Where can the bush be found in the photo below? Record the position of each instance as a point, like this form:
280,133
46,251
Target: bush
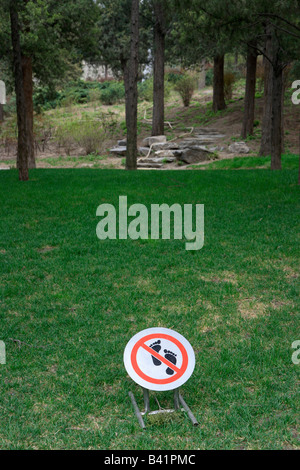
174,76
113,93
86,133
229,79
209,78
45,98
78,92
186,87
145,89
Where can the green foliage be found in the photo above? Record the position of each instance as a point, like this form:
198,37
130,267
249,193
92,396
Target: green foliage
173,76
295,70
145,89
186,87
114,33
78,92
113,93
88,134
209,78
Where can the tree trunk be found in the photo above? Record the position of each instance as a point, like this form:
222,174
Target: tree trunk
131,89
218,84
28,93
272,142
299,162
265,145
158,122
249,107
23,151
276,118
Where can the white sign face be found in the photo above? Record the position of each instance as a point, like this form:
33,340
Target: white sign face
2,92
159,359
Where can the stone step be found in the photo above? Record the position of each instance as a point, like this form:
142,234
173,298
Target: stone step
149,165
158,139
121,151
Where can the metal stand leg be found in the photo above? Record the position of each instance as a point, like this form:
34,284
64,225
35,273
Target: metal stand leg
176,399
146,400
190,414
137,411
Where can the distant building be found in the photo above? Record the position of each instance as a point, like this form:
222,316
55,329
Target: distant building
96,72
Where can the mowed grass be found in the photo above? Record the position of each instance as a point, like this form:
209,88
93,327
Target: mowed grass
290,161
73,302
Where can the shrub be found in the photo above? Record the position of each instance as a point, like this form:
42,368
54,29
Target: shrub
229,79
209,78
86,134
111,94
89,136
174,76
186,87
145,89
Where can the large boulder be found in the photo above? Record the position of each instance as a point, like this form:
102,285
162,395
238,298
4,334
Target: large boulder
122,150
119,151
239,147
144,151
165,146
158,139
165,154
194,154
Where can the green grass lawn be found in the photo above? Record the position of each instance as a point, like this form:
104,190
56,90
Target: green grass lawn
289,161
76,301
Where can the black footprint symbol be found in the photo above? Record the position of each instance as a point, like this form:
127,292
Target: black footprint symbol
156,347
172,358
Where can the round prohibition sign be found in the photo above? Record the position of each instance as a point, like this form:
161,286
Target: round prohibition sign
159,359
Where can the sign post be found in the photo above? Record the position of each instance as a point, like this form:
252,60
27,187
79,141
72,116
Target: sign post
159,359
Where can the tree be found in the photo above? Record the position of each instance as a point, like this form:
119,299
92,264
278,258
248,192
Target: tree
218,84
23,150
249,106
131,90
158,121
52,36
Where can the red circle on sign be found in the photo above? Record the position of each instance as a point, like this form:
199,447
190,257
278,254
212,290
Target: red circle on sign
169,380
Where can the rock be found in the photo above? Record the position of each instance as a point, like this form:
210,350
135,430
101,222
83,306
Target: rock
165,146
143,151
122,150
187,143
205,131
158,160
193,155
211,137
149,165
216,148
119,151
122,143
239,147
165,154
158,139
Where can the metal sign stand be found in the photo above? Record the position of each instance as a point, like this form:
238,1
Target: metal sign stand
178,400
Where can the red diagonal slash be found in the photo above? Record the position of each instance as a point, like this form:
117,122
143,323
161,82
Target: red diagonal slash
160,358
